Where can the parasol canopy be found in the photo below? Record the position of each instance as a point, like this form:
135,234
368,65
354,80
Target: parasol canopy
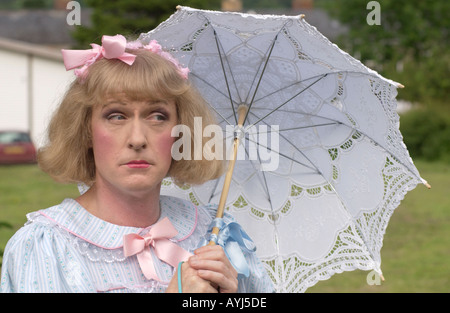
321,164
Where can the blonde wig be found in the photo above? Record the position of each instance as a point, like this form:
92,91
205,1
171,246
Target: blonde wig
68,156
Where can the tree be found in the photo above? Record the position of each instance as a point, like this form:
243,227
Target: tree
411,43
129,17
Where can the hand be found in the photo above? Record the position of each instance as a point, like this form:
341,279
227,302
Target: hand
191,282
207,271
213,265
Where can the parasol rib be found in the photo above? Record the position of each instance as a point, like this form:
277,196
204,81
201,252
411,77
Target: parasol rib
296,95
212,107
314,77
263,70
298,162
261,76
304,127
224,73
276,233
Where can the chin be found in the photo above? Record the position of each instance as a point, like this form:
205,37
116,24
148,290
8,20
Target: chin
142,186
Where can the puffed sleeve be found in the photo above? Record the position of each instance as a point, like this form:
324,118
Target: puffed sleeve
38,258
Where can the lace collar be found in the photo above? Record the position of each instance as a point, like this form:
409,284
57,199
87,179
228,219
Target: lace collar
72,217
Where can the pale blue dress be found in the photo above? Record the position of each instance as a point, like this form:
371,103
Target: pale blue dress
66,249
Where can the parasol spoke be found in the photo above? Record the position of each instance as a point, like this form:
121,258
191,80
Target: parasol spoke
314,168
305,127
293,97
272,210
214,190
218,91
222,57
316,171
314,77
265,62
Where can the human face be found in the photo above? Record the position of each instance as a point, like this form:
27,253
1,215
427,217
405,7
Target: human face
132,143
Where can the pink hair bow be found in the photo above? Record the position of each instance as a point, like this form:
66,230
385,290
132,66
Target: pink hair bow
113,47
158,239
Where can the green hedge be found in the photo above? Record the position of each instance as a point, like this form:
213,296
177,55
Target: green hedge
426,133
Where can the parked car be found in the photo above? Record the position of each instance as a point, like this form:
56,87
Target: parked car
16,147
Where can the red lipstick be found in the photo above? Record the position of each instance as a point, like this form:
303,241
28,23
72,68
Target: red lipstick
138,164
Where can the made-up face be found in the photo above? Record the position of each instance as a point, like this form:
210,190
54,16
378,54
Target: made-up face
132,142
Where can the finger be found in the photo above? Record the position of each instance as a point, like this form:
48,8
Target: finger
218,271
207,249
193,283
212,253
226,284
215,267
222,265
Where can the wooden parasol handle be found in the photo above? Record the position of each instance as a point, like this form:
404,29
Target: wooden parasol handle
242,112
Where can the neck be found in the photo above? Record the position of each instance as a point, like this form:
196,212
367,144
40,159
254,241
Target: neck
140,209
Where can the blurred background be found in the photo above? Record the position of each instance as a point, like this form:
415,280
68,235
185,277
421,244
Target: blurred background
409,44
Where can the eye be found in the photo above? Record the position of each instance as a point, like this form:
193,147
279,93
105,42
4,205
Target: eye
158,116
115,117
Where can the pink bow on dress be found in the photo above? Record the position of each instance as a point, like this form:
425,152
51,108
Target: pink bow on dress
158,239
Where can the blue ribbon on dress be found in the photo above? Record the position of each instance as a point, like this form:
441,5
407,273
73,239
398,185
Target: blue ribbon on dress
234,240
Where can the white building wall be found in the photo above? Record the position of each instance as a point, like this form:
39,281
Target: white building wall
45,79
13,91
50,82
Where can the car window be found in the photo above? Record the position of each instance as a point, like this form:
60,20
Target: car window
11,137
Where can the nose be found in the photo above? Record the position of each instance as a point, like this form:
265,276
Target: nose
137,139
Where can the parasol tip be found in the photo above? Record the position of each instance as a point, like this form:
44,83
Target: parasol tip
382,277
301,16
427,185
400,86
178,7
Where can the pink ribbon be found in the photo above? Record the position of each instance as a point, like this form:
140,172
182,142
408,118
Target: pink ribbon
158,239
113,47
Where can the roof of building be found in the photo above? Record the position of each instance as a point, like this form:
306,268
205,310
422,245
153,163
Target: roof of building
30,49
44,27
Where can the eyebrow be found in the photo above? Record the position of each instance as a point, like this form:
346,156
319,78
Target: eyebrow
150,102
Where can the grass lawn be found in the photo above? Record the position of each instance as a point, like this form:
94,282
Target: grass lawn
24,189
415,255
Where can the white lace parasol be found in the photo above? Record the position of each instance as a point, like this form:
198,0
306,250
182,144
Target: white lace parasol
323,126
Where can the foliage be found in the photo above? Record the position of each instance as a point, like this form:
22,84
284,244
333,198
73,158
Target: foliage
129,17
258,4
410,45
426,133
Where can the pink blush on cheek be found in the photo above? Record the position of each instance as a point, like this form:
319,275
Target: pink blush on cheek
165,143
102,141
